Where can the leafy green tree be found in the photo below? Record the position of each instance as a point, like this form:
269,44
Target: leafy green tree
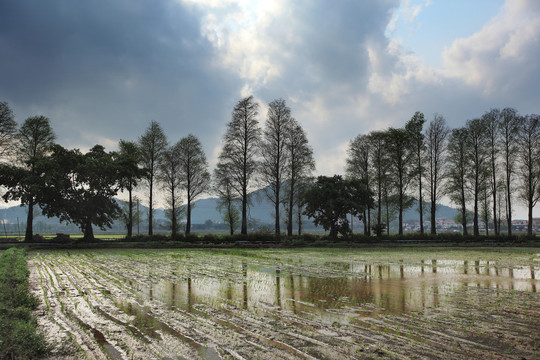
194,175
131,174
34,140
240,150
80,188
300,165
301,187
331,199
529,164
436,141
8,131
414,128
152,144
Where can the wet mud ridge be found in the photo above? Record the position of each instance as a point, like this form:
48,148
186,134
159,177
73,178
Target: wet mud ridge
180,304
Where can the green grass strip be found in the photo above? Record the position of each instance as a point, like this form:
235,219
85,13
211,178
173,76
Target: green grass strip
19,336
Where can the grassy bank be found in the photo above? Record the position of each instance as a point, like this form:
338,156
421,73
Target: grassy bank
19,338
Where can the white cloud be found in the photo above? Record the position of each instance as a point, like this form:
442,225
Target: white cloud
395,79
503,53
238,30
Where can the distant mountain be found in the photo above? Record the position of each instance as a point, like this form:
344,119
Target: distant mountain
443,212
261,211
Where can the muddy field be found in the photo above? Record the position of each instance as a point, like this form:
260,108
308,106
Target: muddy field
290,304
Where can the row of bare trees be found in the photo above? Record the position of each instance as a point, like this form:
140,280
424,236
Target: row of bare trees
180,169
277,158
485,164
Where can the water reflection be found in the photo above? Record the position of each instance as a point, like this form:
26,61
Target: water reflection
364,290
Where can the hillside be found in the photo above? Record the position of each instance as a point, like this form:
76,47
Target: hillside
260,212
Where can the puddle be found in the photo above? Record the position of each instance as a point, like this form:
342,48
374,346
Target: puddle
367,290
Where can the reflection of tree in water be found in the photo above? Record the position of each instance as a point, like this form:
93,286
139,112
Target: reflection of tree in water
278,288
330,292
244,285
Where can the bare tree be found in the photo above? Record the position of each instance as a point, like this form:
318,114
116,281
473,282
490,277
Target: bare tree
8,131
228,197
529,164
298,170
400,157
34,140
152,144
379,172
509,130
168,174
194,175
240,149
274,155
436,141
414,128
492,120
358,166
458,166
477,174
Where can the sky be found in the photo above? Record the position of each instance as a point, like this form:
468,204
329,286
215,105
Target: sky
102,70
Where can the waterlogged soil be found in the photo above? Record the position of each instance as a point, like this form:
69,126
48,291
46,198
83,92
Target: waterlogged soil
290,304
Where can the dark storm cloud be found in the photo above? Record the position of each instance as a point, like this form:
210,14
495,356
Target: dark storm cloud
109,67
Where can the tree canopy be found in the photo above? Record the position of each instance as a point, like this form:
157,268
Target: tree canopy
331,199
80,188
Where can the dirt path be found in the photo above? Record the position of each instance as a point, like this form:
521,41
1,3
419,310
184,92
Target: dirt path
101,305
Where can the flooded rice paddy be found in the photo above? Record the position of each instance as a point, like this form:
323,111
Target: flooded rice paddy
290,304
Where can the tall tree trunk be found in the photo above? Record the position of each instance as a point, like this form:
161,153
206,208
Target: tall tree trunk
88,232
299,221
368,222
150,209
494,194
379,207
291,205
530,218
365,222
463,212
400,216
509,207
475,215
231,217
420,199
174,220
244,211
29,221
188,220
433,216
130,215
276,209
387,217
